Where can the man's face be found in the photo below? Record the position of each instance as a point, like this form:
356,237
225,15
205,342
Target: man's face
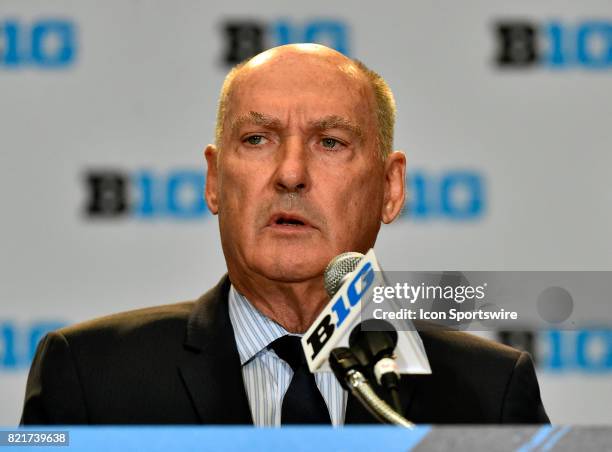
298,178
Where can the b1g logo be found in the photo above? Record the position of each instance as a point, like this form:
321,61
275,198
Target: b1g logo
247,38
178,194
18,343
43,44
457,195
340,310
524,44
583,350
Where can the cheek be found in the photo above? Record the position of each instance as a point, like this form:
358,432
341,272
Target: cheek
354,208
233,202
242,194
235,185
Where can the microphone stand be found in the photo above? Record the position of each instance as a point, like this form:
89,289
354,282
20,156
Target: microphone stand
346,368
361,389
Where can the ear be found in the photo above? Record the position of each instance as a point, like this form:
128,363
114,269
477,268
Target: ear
212,179
395,186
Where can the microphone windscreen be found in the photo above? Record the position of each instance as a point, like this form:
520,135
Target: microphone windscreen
339,267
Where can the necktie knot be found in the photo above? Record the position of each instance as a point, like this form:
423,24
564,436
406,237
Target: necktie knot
289,349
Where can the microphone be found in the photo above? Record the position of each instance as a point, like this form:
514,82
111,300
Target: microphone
375,346
338,270
350,280
374,341
347,279
350,275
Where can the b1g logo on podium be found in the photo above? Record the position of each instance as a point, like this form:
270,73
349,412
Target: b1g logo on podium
523,44
42,44
246,38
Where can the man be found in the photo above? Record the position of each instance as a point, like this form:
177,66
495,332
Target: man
302,170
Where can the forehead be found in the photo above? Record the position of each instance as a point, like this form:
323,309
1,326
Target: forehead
303,88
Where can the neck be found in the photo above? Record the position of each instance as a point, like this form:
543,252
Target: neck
293,305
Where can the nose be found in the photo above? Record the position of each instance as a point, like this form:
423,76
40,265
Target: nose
292,174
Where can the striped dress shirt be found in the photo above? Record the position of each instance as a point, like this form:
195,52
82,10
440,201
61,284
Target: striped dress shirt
266,376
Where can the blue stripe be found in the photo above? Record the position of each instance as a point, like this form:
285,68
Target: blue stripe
229,439
536,439
555,438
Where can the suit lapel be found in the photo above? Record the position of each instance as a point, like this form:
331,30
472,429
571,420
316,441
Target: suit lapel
209,364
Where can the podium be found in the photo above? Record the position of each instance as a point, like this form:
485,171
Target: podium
308,438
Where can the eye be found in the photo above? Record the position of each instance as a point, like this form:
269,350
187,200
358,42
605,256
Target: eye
330,143
255,140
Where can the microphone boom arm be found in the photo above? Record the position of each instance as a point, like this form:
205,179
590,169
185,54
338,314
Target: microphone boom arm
347,370
361,389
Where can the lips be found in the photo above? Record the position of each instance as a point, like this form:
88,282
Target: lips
288,220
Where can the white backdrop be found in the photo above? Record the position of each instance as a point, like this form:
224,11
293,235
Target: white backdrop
509,164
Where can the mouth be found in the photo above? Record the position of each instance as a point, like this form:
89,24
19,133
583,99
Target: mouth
289,222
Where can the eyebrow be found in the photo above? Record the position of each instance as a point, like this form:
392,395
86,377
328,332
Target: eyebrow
325,123
256,118
336,122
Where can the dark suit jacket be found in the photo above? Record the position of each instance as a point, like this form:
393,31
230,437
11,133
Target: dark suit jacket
178,364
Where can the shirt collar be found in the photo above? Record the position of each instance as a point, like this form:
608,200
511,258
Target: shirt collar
253,331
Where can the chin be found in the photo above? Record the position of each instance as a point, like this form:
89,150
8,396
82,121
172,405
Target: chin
290,266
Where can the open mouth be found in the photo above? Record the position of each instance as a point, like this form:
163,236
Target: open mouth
285,220
289,222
